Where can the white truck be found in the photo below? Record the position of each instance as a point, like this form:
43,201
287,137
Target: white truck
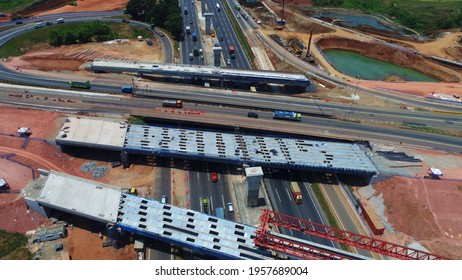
188,29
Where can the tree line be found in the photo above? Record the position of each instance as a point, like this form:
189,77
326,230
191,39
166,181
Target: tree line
161,13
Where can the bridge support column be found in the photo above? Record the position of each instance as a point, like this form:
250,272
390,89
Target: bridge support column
254,175
124,159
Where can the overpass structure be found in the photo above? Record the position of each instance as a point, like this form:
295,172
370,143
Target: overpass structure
146,217
224,147
172,72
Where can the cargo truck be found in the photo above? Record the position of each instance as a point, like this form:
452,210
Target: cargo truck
194,36
127,89
231,51
205,206
287,115
196,50
85,85
173,103
296,193
220,212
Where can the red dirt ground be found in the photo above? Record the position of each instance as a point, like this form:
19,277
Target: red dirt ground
15,216
427,211
37,155
86,245
88,6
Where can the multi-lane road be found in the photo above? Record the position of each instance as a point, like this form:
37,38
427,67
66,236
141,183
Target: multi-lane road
200,184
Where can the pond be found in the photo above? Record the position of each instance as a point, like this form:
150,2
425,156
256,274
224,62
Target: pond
354,20
363,67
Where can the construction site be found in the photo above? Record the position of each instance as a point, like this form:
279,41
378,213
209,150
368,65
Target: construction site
415,209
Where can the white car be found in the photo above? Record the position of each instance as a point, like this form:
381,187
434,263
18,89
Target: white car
228,61
237,16
163,199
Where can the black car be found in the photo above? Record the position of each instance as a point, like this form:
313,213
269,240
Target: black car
252,115
190,21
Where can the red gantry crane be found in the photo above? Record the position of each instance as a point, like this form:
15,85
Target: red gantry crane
267,240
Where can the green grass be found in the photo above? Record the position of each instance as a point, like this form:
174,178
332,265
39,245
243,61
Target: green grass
21,253
15,5
37,37
432,130
240,35
327,211
9,242
136,120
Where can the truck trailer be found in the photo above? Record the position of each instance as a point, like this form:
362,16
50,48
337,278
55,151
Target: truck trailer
84,85
287,115
173,103
296,193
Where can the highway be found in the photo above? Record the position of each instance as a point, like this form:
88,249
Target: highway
283,202
234,116
187,44
224,29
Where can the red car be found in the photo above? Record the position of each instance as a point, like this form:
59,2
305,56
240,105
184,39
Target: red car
214,177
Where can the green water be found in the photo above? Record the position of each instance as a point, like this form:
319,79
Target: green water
363,67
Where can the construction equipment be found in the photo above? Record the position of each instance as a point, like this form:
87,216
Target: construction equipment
133,191
264,238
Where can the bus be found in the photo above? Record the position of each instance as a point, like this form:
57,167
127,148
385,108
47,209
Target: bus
231,51
85,85
173,103
287,115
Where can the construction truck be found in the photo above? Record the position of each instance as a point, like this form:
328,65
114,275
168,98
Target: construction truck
296,193
133,191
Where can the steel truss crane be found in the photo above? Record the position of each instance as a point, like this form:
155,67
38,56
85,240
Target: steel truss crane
263,238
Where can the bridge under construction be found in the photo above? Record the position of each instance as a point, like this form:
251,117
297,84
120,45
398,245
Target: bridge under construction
224,239
224,77
231,148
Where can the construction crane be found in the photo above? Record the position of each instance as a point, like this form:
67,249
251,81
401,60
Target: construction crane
265,239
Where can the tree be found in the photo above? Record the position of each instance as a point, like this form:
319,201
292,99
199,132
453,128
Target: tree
174,24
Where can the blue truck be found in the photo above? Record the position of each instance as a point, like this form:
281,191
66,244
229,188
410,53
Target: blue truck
194,36
287,115
220,212
127,89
